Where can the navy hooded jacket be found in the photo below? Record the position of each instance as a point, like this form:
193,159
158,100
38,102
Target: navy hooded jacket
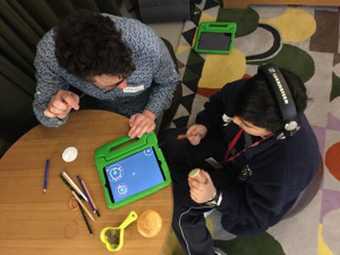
269,177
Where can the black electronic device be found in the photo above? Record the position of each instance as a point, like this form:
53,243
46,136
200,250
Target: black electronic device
283,97
215,37
214,41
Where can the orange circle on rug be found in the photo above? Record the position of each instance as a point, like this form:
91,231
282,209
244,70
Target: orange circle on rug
332,160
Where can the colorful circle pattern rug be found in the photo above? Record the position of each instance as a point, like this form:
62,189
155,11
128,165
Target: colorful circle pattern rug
306,41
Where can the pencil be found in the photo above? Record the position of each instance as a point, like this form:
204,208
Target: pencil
66,183
88,195
85,219
47,167
83,206
69,180
182,136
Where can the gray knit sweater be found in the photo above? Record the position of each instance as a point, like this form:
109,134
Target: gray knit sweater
155,72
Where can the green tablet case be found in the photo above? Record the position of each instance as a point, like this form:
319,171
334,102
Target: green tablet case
124,147
216,29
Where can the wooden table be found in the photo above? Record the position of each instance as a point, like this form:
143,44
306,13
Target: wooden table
33,223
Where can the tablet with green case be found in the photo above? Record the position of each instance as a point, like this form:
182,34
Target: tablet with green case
130,169
215,37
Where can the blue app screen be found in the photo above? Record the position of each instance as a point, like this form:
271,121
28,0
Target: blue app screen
133,174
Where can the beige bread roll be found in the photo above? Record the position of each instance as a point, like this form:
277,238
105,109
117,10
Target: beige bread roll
197,174
149,223
194,172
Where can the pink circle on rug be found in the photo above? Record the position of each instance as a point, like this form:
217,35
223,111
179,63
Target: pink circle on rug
333,161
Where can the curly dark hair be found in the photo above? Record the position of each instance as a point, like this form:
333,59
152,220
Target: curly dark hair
88,44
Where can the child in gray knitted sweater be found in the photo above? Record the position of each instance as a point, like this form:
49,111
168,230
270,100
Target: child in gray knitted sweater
120,62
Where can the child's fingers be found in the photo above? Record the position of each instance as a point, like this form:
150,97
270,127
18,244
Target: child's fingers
72,100
206,176
60,105
192,130
132,119
194,184
181,136
49,114
194,139
194,196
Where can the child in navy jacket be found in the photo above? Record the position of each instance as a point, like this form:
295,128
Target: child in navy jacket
250,172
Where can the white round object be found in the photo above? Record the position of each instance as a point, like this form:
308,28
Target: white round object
70,154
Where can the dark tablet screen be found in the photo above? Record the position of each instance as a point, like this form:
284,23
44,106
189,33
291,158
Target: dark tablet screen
214,41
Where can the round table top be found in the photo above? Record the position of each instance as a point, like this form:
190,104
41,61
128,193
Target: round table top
33,222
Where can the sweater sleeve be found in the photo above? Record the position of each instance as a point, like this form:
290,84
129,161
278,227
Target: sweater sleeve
166,78
222,102
48,81
211,116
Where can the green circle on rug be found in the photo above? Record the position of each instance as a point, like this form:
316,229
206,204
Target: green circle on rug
246,19
335,92
295,60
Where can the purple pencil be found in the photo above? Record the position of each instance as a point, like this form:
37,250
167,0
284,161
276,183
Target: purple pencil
45,183
88,195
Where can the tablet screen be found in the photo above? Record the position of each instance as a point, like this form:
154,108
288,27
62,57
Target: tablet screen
133,174
214,41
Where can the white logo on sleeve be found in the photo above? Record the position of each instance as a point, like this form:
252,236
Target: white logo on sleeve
226,119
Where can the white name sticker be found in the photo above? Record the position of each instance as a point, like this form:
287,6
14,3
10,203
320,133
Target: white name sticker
133,89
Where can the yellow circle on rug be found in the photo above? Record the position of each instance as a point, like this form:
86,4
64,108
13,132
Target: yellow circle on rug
295,25
323,248
206,16
183,47
221,69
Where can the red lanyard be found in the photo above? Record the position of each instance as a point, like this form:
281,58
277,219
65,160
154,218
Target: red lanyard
233,143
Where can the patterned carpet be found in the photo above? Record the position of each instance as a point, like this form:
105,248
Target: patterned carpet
306,41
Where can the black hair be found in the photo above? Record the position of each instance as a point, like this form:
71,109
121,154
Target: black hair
88,44
256,102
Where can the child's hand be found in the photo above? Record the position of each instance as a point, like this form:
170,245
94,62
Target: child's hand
196,133
61,104
202,189
141,123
